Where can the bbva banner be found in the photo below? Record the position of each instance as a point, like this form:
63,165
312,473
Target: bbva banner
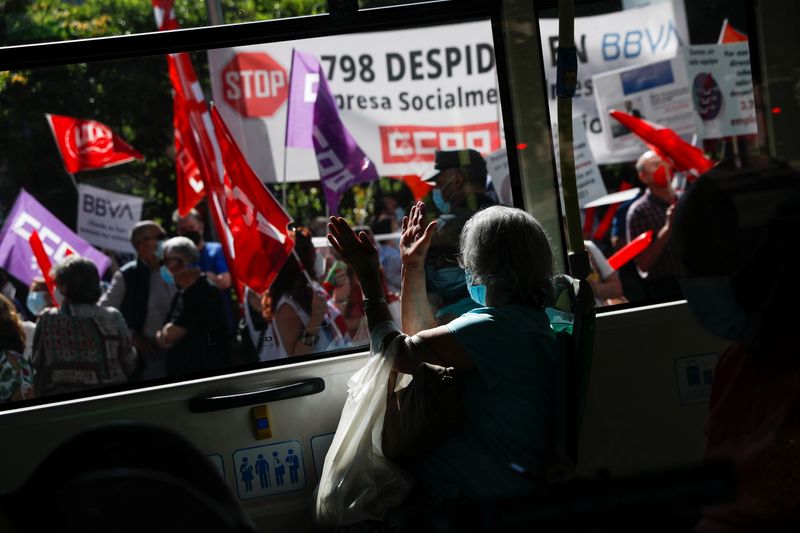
607,43
106,218
402,94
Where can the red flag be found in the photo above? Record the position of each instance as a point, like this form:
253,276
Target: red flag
88,144
44,263
188,177
195,132
418,187
631,250
188,165
261,237
729,34
681,155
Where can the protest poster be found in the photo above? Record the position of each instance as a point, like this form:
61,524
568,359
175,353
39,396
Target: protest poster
16,255
401,94
606,43
722,89
106,218
657,92
587,174
497,168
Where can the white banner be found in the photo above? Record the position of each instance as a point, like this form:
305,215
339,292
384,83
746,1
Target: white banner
587,174
401,94
497,167
606,43
722,89
106,218
657,92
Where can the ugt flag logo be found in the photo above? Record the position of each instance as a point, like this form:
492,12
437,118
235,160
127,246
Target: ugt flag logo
88,144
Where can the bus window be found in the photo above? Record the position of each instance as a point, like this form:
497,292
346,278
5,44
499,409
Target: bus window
207,227
681,77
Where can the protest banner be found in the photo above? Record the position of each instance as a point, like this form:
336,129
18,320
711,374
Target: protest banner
401,94
106,218
609,42
587,174
722,89
657,92
28,215
497,167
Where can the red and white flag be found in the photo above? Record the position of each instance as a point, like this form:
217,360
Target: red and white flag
196,136
259,225
88,144
188,177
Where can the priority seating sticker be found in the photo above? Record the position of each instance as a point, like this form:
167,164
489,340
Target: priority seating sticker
267,470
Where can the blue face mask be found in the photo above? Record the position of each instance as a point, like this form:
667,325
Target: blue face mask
166,275
37,301
441,204
476,292
447,282
713,303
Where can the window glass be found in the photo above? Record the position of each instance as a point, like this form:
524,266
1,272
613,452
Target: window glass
346,124
47,20
681,66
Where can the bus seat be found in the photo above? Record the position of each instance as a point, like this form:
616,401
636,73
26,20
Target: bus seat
126,477
572,318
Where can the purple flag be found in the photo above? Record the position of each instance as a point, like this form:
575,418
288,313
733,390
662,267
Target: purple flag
313,121
16,255
303,83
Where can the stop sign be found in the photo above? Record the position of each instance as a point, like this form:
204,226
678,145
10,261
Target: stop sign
254,84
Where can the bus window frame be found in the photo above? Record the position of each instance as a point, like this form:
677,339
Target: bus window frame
336,22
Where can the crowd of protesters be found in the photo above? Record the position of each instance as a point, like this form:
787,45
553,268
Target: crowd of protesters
173,309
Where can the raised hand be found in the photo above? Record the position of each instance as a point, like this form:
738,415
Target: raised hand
356,250
416,238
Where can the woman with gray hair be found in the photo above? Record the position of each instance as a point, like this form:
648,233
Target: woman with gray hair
502,352
79,345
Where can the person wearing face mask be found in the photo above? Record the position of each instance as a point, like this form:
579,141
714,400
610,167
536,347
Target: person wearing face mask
194,336
80,345
459,179
502,351
142,291
736,234
658,265
38,299
211,259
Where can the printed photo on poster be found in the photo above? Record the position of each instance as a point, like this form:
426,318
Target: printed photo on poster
657,92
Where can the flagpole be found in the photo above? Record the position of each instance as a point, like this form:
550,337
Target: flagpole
286,134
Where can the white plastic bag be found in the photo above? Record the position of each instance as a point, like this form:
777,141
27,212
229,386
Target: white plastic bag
358,483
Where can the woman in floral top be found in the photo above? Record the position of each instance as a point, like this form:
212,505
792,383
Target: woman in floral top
79,345
16,375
